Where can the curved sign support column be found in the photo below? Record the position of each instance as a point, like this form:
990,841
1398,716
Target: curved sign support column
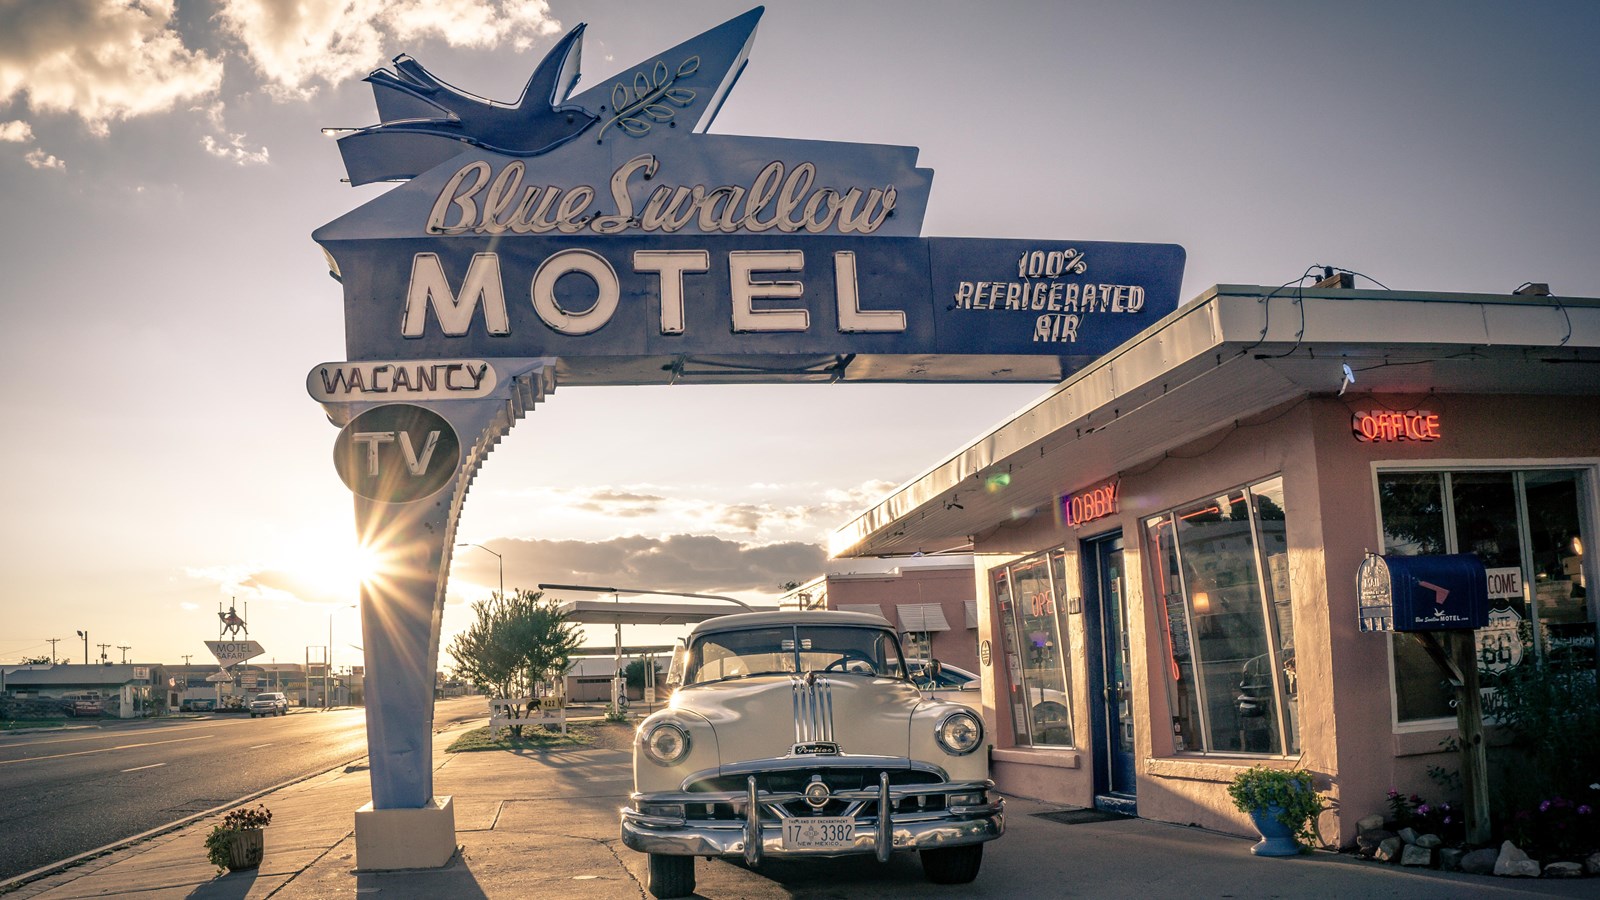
409,466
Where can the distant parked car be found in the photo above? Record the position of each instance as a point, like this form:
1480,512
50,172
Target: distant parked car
85,704
269,703
946,682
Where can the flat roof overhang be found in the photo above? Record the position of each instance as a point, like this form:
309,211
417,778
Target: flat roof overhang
1235,352
630,612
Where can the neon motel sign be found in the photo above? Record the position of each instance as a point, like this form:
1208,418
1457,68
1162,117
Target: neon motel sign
605,238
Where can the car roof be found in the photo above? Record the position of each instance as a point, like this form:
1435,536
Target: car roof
738,621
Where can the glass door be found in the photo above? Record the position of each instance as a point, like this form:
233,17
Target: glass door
1116,783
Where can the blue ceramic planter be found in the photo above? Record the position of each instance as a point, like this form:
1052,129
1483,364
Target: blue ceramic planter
1277,839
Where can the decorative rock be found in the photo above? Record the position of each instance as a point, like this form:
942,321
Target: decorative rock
1370,823
1414,855
1563,870
1409,835
1367,841
1429,841
1388,850
1480,862
1513,863
1450,859
1592,864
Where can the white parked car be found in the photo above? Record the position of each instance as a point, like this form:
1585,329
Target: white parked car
796,734
269,703
947,682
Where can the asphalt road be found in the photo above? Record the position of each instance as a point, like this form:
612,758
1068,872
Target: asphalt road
70,791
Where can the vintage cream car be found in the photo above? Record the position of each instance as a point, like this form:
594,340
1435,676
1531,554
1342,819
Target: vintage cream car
796,734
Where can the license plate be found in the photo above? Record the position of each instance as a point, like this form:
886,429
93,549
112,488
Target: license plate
818,832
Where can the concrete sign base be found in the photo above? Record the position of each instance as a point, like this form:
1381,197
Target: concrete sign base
389,839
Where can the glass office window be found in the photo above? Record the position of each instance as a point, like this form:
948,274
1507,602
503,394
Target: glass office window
1036,651
1221,569
1526,527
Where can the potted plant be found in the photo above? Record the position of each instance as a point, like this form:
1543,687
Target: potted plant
1283,803
238,842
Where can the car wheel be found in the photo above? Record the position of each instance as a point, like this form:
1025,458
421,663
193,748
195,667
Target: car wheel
952,865
671,876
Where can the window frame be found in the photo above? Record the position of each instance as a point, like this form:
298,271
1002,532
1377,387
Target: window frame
1011,622
1269,618
1588,521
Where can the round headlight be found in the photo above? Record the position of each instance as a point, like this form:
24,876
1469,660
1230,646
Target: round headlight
666,744
959,733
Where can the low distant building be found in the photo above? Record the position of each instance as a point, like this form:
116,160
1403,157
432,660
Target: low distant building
931,601
124,691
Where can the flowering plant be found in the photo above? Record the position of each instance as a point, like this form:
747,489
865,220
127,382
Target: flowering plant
235,822
1444,819
1557,828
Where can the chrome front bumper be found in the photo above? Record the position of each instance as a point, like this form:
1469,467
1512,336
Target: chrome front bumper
759,832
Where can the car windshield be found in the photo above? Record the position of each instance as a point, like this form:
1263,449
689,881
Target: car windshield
787,649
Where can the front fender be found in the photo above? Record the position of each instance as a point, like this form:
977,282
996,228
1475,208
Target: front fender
972,766
650,776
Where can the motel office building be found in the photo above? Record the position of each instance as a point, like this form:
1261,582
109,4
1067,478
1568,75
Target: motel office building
1167,542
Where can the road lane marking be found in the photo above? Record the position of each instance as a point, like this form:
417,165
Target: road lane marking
259,746
142,768
198,737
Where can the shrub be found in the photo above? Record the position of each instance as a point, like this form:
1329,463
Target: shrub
1292,791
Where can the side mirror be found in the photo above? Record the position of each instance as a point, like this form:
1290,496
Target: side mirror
680,659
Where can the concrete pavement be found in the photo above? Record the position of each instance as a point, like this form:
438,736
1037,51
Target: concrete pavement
544,825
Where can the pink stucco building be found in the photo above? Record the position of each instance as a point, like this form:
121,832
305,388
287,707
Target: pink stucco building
1166,544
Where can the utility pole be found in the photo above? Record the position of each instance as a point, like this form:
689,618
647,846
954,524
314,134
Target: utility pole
124,648
187,657
102,651
85,636
53,643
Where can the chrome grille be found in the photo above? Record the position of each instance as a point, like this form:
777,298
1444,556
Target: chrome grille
813,708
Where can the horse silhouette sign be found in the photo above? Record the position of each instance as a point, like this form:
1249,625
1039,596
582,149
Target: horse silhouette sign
606,237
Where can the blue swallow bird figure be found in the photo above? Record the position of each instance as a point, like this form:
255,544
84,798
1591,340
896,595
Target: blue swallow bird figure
425,121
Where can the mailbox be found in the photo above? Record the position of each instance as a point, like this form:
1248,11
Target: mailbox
1422,593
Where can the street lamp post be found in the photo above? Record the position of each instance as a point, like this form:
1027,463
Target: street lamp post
498,558
85,636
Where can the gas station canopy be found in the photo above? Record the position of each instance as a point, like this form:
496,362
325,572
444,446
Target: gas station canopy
629,612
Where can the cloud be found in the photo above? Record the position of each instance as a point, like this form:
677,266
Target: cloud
101,60
16,132
698,564
234,150
42,160
295,45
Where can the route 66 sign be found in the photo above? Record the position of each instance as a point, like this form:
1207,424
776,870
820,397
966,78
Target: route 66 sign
1499,642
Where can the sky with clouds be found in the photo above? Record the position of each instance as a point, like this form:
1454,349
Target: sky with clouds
162,168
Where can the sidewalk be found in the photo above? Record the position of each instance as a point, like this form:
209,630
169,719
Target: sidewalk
544,825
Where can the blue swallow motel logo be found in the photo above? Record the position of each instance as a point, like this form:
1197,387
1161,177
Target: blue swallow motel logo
610,229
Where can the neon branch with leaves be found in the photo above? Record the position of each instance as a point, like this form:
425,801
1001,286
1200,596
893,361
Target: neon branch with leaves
635,113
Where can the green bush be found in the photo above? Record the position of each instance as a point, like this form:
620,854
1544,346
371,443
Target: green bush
1292,791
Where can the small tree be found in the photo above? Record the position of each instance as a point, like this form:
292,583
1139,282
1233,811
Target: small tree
514,643
634,674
